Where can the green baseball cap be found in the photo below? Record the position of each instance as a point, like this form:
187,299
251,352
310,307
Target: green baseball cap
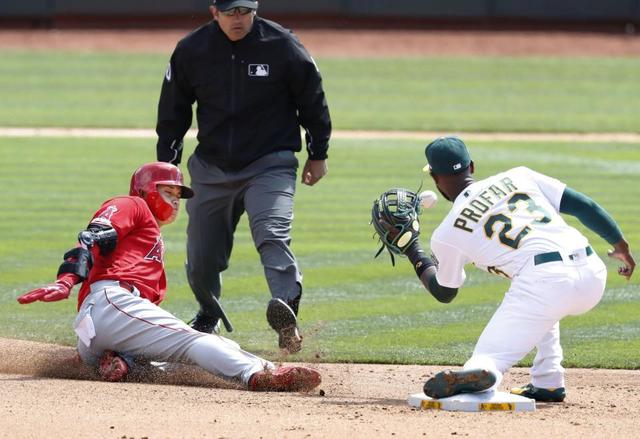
447,156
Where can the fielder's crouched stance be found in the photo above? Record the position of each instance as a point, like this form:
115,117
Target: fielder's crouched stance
120,264
509,225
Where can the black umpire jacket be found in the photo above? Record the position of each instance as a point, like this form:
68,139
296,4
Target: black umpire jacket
252,97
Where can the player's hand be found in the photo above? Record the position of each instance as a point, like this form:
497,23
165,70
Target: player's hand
58,290
621,252
313,171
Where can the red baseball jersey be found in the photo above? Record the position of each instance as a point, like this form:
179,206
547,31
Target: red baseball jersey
138,256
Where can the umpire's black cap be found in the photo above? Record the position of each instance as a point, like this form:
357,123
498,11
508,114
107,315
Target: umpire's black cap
224,5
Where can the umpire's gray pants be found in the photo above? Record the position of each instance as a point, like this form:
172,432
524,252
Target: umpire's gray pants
265,190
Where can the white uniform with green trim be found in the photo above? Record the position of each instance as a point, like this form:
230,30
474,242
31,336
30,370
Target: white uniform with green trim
509,225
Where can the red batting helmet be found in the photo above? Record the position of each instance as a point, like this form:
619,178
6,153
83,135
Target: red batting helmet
146,180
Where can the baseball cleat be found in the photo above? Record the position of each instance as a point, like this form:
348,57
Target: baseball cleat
283,320
112,367
203,323
290,339
449,383
540,394
285,379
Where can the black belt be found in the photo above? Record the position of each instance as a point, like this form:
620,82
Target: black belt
543,258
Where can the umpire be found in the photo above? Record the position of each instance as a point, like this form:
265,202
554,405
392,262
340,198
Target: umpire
255,85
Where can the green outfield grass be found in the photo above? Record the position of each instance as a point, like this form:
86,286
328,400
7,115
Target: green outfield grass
355,308
430,93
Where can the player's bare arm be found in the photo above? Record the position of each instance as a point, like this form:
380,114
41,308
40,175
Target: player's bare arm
598,220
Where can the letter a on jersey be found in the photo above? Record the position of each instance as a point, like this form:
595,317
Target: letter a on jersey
157,251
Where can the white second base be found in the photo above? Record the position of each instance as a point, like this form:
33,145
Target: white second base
474,402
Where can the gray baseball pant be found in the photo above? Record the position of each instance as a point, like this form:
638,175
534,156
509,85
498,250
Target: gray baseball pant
265,190
114,318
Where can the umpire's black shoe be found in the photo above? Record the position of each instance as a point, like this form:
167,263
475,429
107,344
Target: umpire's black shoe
283,320
205,323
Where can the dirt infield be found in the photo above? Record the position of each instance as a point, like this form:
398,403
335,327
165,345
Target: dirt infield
47,393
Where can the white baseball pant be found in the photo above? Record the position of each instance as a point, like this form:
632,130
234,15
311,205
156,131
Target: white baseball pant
539,297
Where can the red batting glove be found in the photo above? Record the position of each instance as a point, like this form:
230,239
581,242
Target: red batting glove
58,290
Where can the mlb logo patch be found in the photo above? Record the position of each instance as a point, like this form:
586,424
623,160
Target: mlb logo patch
258,69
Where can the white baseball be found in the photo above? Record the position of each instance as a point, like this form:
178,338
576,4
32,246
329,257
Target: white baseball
428,199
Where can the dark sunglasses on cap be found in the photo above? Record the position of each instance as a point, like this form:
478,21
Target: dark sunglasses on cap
240,10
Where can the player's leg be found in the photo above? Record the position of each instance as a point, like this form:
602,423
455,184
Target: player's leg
110,365
538,298
514,329
87,355
269,204
213,215
592,279
547,371
536,301
137,328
